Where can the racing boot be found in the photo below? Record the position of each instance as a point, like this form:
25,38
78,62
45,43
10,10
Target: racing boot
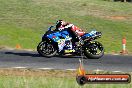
81,42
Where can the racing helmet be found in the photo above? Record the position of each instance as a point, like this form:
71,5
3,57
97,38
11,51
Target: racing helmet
59,23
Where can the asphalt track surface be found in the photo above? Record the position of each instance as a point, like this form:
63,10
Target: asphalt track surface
31,59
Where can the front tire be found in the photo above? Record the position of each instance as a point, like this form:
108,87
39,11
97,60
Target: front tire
94,50
46,49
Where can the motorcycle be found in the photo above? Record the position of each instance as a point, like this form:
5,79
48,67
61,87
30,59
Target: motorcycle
63,42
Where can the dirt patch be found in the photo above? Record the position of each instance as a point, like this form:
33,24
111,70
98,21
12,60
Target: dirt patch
117,17
37,73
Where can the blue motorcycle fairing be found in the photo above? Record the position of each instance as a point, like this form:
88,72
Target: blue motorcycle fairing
85,36
60,37
92,33
54,36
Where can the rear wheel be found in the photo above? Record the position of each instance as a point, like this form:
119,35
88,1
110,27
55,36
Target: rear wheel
46,49
94,50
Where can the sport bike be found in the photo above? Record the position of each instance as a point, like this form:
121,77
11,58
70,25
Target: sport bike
65,43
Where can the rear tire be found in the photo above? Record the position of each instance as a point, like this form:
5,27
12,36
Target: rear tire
46,49
91,50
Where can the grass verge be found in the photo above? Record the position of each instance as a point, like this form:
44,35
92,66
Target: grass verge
27,78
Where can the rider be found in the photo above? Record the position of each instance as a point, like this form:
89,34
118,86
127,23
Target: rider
61,25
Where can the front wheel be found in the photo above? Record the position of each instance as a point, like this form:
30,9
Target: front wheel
94,50
46,49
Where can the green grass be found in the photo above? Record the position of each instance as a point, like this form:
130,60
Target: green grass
23,22
50,82
28,78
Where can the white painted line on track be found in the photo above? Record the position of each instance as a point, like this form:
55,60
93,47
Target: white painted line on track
116,71
71,69
19,67
45,68
98,70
